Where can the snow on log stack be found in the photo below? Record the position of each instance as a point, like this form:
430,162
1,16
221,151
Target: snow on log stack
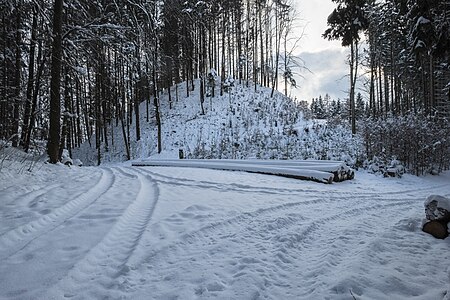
314,170
437,212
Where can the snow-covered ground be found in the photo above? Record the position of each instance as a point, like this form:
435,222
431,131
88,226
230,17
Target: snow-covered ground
118,231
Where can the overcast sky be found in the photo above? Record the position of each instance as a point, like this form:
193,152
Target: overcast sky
325,59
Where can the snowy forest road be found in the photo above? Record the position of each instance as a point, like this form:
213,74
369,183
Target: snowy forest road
166,233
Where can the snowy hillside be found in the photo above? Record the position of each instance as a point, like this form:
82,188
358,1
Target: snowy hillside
240,124
122,232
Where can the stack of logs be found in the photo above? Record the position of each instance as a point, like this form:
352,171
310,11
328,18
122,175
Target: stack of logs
324,171
437,213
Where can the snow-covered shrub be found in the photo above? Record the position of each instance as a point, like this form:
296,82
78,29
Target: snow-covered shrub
394,169
23,161
387,167
65,158
421,144
77,162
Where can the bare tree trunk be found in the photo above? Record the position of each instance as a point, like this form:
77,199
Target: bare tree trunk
255,53
222,79
17,79
285,64
79,137
277,52
122,112
261,45
64,128
386,91
353,76
156,101
55,105
380,92
35,98
124,132
98,121
372,88
432,100
247,45
30,84
137,95
87,98
202,68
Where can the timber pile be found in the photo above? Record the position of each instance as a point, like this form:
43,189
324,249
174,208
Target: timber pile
437,213
313,170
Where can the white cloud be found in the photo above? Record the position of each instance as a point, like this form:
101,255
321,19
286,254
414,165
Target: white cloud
328,75
313,17
326,59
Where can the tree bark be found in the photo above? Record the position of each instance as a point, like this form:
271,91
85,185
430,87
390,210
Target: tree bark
156,101
55,105
17,79
35,98
353,76
30,83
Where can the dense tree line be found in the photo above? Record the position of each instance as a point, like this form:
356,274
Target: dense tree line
413,141
419,143
408,78
407,57
76,70
409,82
337,111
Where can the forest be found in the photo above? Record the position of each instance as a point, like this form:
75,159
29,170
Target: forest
69,69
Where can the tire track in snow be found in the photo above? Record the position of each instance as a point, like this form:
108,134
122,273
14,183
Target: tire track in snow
238,187
276,217
270,233
122,172
31,197
244,218
316,225
96,274
314,232
400,192
18,238
360,198
331,244
235,222
28,196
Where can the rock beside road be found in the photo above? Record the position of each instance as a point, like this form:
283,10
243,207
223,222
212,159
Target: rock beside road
437,213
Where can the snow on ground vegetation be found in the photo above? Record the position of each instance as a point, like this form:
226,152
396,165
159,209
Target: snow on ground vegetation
124,232
240,124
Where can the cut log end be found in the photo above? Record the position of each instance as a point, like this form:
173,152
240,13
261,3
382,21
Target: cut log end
436,229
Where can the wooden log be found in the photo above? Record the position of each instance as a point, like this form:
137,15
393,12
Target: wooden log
339,169
303,174
436,228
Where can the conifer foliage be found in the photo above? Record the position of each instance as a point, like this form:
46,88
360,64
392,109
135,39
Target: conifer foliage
407,57
407,79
